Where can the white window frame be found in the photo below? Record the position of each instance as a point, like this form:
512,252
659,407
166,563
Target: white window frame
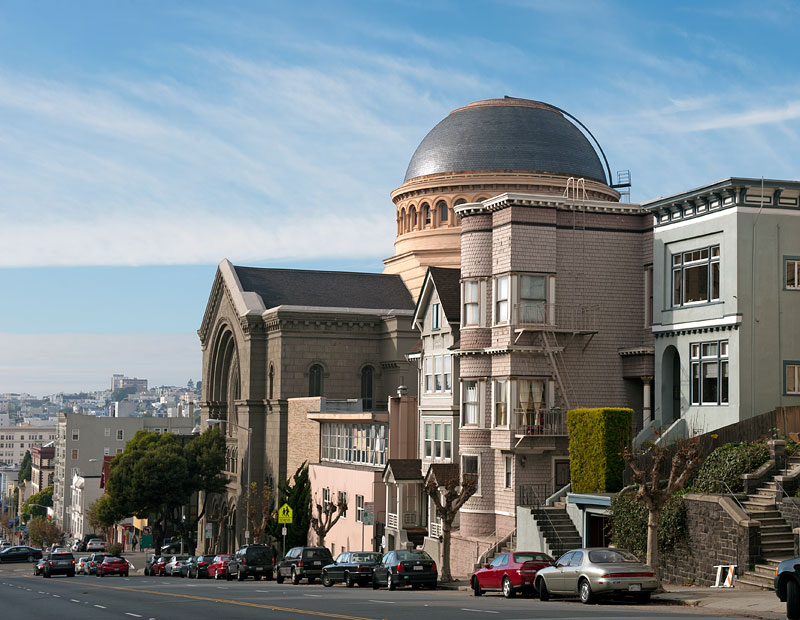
76,434
708,355
436,316
477,458
502,300
428,374
538,305
508,479
326,497
359,508
693,259
342,495
500,397
473,419
792,266
471,304
792,370
428,440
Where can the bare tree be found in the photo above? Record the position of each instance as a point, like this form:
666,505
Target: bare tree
646,467
260,508
448,497
327,514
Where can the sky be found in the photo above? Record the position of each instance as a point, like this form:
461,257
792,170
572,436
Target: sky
141,142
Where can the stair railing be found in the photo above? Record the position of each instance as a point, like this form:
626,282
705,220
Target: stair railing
721,484
496,546
538,496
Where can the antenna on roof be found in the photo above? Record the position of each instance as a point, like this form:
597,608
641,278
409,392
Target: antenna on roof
623,183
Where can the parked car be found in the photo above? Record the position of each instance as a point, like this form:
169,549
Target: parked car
20,553
157,569
402,568
592,572
95,560
96,544
5,544
303,562
172,546
112,565
174,566
59,564
510,573
787,586
81,566
251,561
199,568
351,567
218,568
38,567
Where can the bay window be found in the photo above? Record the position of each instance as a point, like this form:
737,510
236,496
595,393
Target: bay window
501,403
472,302
709,372
532,298
501,300
695,276
469,403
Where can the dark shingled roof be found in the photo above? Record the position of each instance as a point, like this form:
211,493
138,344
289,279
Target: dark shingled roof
448,285
506,134
442,472
405,469
326,289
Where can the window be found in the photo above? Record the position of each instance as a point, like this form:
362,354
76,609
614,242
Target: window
429,374
326,497
75,454
501,403
436,313
501,300
532,298
448,383
469,403
438,440
120,435
360,508
271,381
75,435
709,370
447,441
695,276
428,440
354,443
793,273
367,386
792,377
438,373
471,467
106,452
509,465
442,207
472,302
427,212
107,432
343,502
315,380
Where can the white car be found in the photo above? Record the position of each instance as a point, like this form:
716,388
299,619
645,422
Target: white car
96,544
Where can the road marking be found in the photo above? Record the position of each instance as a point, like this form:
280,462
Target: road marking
324,614
127,613
74,600
387,602
56,596
100,606
480,611
314,595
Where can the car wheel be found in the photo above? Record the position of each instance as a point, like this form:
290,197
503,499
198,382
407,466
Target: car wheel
326,580
643,597
257,577
295,577
433,585
508,589
46,575
31,558
72,574
101,574
279,578
476,587
239,576
585,591
792,600
375,584
348,580
390,582
541,587
269,576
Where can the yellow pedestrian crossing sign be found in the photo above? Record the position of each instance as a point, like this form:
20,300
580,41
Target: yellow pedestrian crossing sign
285,514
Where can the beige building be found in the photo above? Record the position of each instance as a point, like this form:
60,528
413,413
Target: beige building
15,441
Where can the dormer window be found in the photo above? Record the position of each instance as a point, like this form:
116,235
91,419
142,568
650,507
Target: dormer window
436,314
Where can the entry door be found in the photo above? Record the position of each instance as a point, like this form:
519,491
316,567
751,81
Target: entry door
562,473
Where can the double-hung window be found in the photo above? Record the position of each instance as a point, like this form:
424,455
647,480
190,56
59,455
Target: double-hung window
470,466
438,373
695,276
501,403
532,298
792,377
438,440
360,508
472,291
429,374
469,403
428,440
501,300
436,316
709,367
793,273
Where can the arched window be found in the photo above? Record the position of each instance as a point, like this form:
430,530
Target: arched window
367,387
271,381
315,380
413,219
402,222
426,211
456,217
441,207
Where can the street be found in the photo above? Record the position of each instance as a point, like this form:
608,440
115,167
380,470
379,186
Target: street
159,598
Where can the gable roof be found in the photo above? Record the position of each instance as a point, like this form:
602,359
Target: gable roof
442,472
404,469
325,289
447,283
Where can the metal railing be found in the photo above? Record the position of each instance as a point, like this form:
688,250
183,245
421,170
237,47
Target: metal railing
540,422
435,529
392,521
570,317
535,496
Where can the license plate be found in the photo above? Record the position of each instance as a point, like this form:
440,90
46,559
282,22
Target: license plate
419,568
636,587
318,563
260,569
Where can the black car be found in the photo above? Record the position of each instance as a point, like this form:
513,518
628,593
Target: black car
38,568
251,561
59,564
787,586
303,562
402,568
20,554
352,567
198,569
172,546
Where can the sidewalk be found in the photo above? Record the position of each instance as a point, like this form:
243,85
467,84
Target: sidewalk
741,601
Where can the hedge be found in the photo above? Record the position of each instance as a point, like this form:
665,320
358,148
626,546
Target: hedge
596,440
728,463
628,524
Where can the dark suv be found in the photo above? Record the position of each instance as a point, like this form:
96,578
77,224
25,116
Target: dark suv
251,561
303,562
59,564
787,586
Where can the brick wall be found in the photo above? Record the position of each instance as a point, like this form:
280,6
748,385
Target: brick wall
302,444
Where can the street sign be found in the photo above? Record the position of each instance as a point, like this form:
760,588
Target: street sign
368,518
209,530
247,534
285,514
146,542
283,531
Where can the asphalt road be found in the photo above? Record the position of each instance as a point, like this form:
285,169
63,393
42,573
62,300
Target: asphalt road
23,596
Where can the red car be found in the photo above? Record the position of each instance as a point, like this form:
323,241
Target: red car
218,569
158,567
113,566
510,573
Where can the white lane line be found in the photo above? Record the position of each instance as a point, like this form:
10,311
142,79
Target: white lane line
480,611
56,596
313,595
127,613
387,602
100,606
74,600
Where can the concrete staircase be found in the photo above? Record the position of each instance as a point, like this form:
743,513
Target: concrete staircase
558,530
777,541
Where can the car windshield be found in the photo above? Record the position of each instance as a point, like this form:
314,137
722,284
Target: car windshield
412,555
366,557
222,558
112,559
316,553
611,556
532,557
261,555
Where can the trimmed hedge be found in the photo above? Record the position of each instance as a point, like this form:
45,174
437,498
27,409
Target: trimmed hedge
596,440
728,463
628,524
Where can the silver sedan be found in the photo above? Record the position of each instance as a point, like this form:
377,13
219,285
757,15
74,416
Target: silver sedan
600,571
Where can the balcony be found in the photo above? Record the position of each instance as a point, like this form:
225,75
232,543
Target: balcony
542,423
351,409
566,318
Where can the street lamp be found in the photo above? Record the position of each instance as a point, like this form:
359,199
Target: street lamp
217,422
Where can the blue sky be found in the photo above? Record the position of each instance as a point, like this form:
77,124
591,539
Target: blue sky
142,142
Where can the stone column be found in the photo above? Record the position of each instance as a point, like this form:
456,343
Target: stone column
647,413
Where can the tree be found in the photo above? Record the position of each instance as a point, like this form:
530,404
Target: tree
297,494
260,506
122,393
646,467
44,532
190,385
25,467
448,497
33,506
328,514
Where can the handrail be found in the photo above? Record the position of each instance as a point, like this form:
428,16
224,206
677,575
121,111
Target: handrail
733,495
538,495
494,548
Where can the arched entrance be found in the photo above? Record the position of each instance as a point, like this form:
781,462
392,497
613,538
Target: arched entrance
670,385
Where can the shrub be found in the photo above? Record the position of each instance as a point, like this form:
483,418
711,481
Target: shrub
727,463
114,549
628,524
596,440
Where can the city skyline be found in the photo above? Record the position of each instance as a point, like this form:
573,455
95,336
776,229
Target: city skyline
144,143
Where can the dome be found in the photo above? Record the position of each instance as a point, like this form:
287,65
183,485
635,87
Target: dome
507,134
